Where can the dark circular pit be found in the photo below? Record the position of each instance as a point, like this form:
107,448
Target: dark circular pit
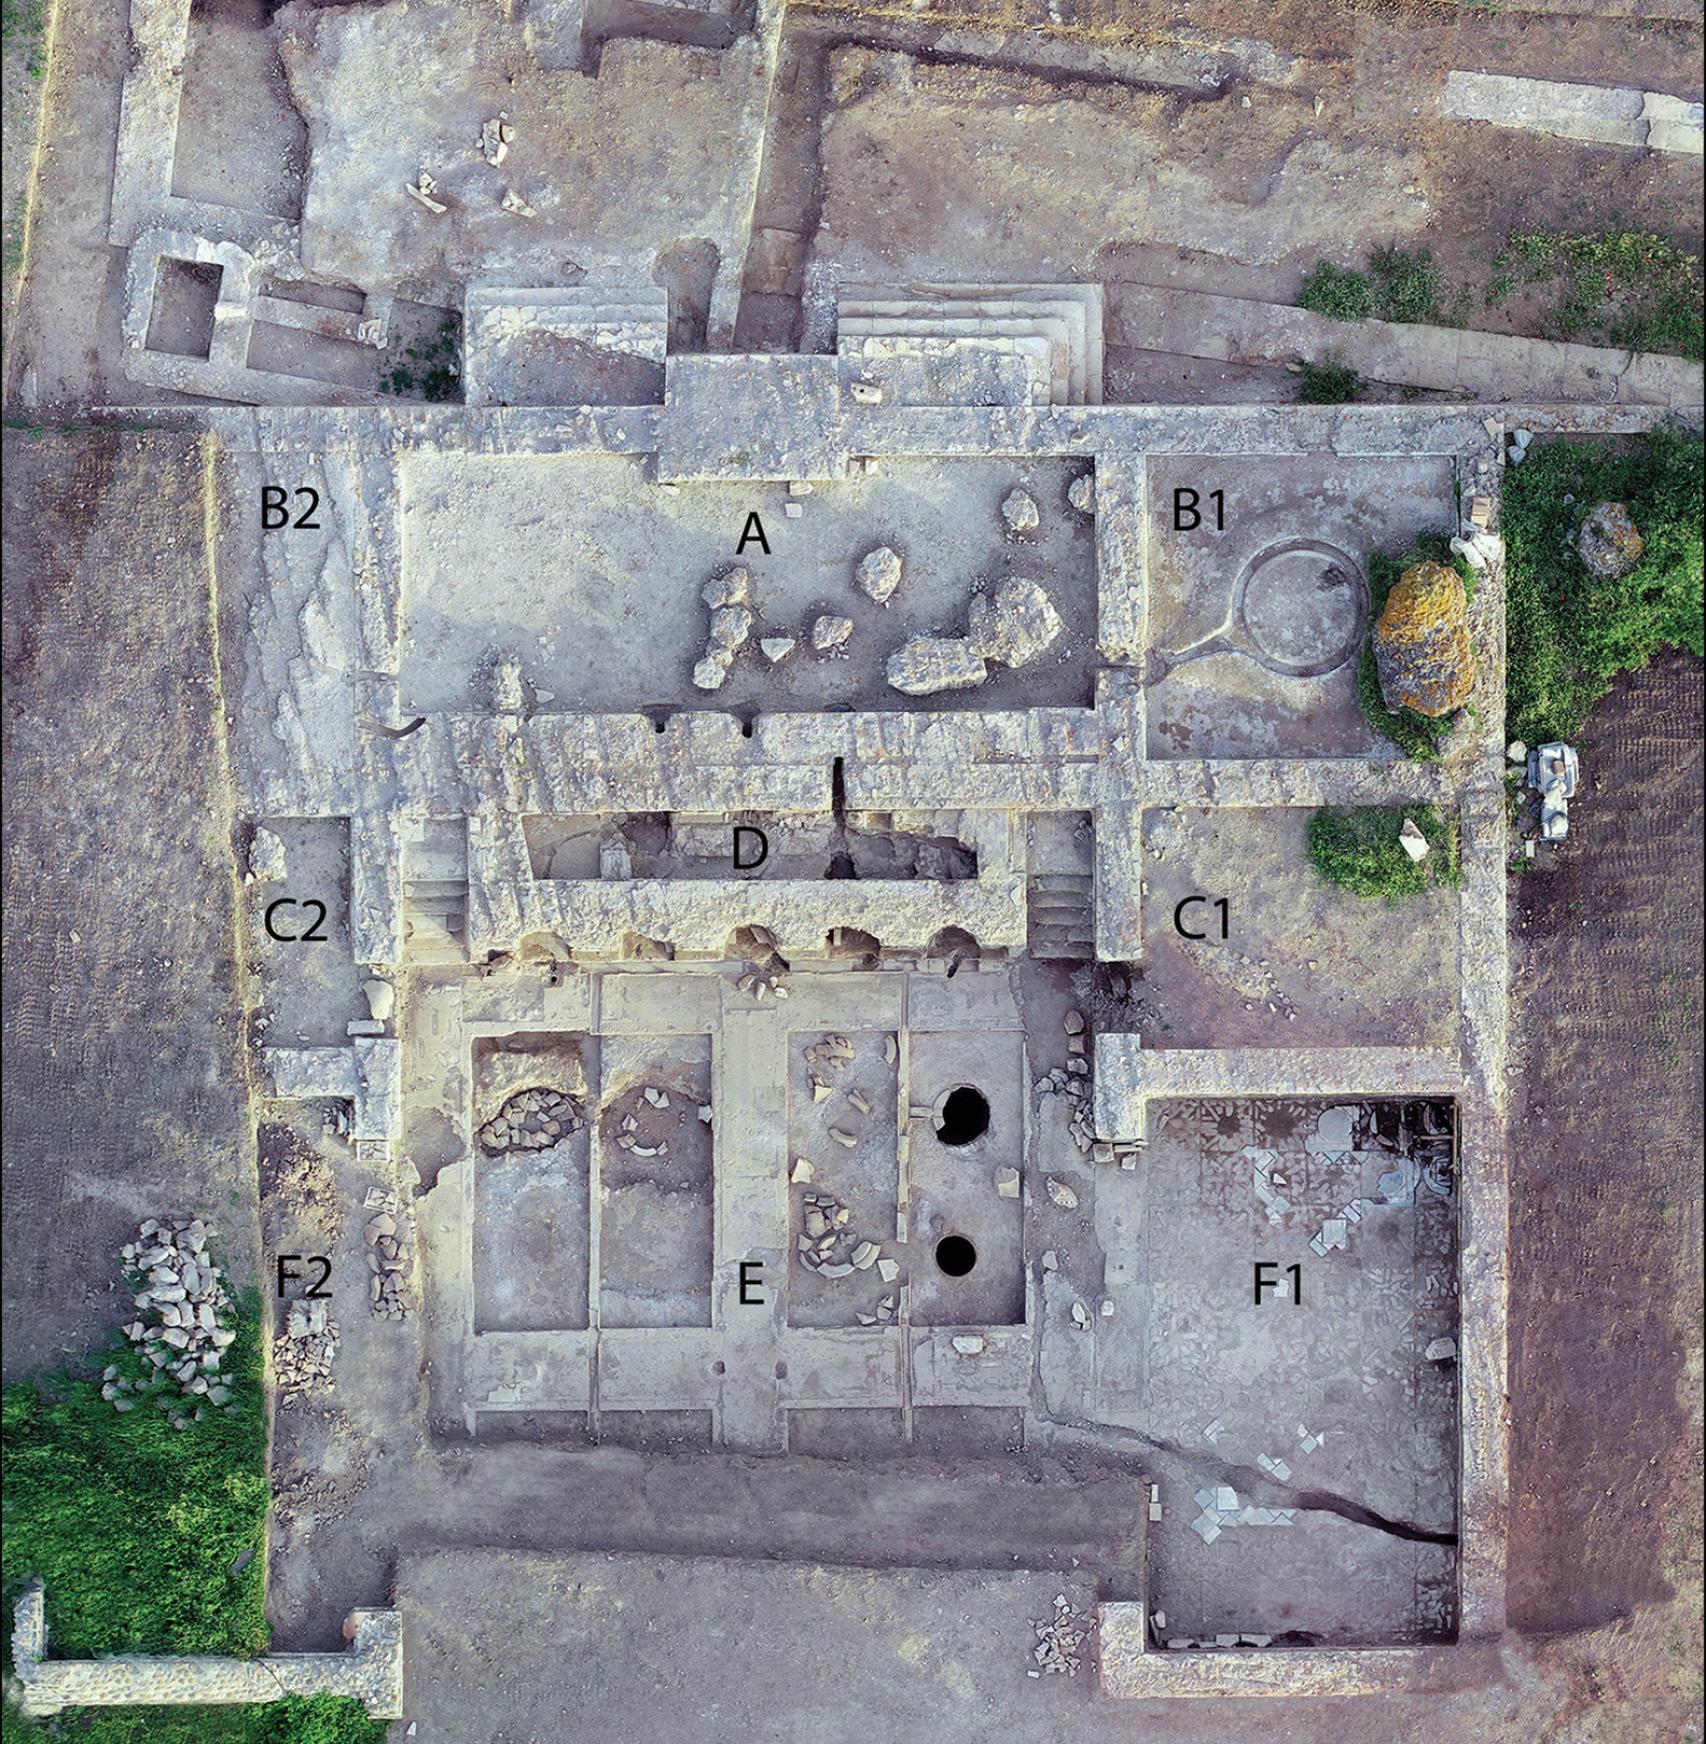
955,1255
964,1116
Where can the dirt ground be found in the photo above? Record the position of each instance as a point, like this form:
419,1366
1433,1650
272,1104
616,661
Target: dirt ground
125,1093
1606,1208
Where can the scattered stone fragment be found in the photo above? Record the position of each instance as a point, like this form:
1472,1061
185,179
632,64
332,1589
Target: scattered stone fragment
513,203
422,190
1019,511
1440,1350
1412,841
864,1256
1080,1316
969,1344
1007,1183
495,136
776,648
888,1270
1061,1194
878,574
1074,1022
843,1137
381,999
709,673
830,633
1081,493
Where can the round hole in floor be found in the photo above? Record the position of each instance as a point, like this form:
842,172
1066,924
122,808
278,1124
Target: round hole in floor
963,1116
955,1255
781,1371
719,1368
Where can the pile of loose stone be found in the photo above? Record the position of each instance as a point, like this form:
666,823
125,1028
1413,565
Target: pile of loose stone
531,1120
628,1131
828,1247
763,983
180,1330
387,1262
304,1350
1073,1082
1060,1640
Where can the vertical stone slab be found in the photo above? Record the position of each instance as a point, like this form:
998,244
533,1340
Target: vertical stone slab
1122,563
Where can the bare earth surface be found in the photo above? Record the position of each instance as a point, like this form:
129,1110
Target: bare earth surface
124,1080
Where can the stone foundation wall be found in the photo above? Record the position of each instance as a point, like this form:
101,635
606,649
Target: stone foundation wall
371,1670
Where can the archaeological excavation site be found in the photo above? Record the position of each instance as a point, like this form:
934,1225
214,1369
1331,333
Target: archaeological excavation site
766,829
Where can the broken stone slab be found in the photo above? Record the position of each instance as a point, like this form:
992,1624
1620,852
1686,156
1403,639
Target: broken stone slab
1007,1183
843,1137
802,1171
831,632
928,664
1019,510
878,574
888,1270
1074,1023
864,1256
776,648
1412,841
1014,624
730,627
1081,493
422,190
381,999
1440,1350
732,588
969,1344
1061,1194
709,673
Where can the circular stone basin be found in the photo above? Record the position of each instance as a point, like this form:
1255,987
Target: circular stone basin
1302,607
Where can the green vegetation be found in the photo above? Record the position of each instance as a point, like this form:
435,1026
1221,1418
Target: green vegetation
151,1540
429,370
1359,851
1626,287
1567,635
1327,384
293,1720
23,28
1399,285
1418,736
1616,287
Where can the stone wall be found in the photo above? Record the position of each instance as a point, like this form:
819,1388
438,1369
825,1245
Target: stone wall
371,1670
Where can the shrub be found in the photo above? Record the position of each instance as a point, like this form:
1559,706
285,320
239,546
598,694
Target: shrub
1359,851
1328,384
1339,291
1567,633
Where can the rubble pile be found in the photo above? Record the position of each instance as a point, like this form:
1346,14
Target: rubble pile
1060,1640
531,1120
629,1136
304,1350
383,1236
181,1307
728,598
763,983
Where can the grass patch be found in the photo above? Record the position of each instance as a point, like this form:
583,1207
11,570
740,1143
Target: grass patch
1399,285
137,1529
292,1720
1327,384
428,367
135,1526
1619,287
23,29
1568,635
1358,850
1418,736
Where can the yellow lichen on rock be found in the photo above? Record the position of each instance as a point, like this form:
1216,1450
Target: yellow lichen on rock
1421,643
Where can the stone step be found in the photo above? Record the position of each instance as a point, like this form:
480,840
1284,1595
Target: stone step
1066,367
1081,305
1063,324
